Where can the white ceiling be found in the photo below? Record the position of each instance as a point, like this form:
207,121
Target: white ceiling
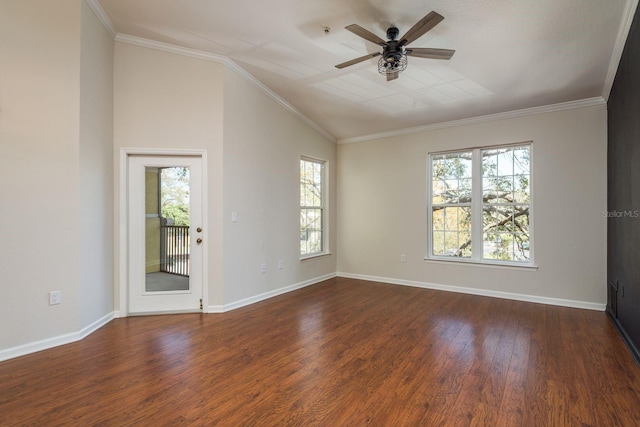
510,54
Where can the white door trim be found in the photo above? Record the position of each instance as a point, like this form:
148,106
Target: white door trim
122,215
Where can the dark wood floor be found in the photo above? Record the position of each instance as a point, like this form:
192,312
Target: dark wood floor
342,352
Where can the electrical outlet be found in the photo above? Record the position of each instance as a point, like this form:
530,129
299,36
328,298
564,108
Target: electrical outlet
55,297
403,258
280,264
263,267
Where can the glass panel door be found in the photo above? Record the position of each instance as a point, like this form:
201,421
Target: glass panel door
165,234
167,216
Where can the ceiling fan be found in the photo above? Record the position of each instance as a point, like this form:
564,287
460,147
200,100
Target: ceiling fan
395,51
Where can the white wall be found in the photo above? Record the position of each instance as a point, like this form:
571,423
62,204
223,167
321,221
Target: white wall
263,143
95,223
382,206
39,123
164,100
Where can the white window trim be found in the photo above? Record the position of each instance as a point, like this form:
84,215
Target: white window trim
476,211
325,208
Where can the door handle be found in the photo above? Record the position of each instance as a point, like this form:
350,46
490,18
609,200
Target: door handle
199,229
198,241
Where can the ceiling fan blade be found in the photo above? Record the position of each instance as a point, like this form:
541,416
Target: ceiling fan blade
365,34
422,26
392,76
355,61
425,52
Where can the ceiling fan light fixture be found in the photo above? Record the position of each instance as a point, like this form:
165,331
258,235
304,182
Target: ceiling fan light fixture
393,58
392,65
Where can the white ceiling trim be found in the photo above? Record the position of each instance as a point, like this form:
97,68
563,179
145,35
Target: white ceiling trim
207,56
618,48
589,102
102,16
166,47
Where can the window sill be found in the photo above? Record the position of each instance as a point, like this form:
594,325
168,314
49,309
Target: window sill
314,256
486,264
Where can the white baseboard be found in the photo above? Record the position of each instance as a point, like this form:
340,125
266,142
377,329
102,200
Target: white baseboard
89,329
267,295
482,292
48,343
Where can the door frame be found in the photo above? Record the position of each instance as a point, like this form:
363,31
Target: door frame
123,216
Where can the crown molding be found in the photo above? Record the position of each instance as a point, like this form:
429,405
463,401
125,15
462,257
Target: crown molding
618,48
208,56
171,48
589,102
102,16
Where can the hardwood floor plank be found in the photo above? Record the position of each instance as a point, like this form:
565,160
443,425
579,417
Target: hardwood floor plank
512,406
342,352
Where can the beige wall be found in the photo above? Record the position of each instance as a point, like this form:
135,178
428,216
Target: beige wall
262,147
168,101
382,206
39,119
95,223
54,114
163,100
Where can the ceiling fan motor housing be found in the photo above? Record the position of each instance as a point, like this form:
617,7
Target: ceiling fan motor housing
392,33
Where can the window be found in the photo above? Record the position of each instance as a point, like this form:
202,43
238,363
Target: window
480,205
312,206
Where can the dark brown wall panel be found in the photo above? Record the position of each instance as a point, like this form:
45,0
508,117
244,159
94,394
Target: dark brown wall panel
623,234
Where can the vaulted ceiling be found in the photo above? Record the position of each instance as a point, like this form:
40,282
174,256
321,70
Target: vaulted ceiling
510,54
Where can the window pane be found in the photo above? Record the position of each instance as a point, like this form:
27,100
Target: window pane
506,232
311,207
505,161
438,189
451,243
451,231
521,161
498,189
521,247
489,186
521,219
489,246
464,250
438,219
521,189
465,187
438,243
506,175
310,231
489,163
504,249
451,178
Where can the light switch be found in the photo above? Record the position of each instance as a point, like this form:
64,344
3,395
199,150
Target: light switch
234,216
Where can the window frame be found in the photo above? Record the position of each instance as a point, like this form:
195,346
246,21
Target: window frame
324,207
477,256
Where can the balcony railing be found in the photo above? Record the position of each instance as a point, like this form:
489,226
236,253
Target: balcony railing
174,249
